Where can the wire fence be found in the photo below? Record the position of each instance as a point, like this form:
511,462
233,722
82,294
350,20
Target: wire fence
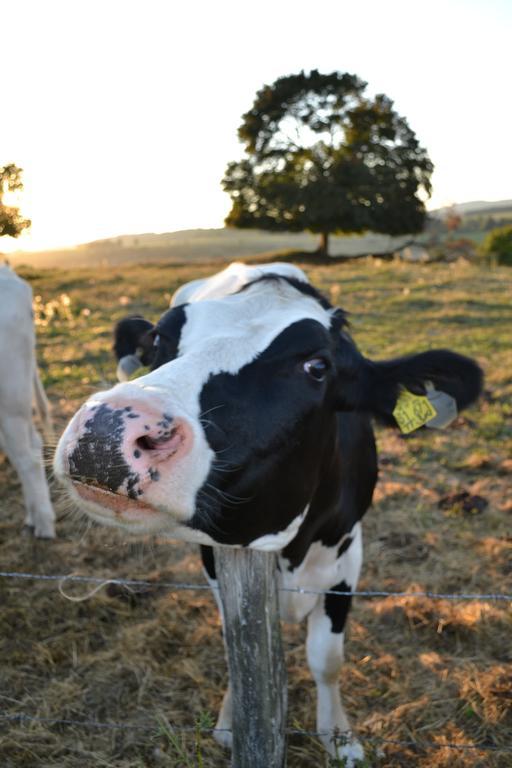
99,582
154,728
175,586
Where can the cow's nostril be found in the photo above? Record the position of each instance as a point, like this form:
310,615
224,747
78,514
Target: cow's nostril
147,443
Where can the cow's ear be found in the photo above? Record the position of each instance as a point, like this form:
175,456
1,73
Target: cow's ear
133,345
375,387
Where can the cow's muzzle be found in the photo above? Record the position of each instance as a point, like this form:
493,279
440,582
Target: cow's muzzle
125,449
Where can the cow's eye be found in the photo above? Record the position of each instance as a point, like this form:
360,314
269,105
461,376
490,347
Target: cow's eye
317,368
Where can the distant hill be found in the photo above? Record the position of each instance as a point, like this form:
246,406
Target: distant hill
225,245
476,207
477,218
201,245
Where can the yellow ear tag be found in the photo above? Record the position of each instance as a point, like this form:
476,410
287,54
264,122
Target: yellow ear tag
412,411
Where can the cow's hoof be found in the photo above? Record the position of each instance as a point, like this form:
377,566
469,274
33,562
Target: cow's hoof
28,531
223,737
45,532
352,753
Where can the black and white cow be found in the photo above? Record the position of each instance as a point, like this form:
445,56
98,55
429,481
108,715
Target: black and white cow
253,429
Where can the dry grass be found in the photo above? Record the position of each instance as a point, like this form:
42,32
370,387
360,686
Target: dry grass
417,669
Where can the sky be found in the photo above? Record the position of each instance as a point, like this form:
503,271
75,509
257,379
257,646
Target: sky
124,115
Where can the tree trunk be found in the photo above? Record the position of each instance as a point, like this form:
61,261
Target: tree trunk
252,631
323,248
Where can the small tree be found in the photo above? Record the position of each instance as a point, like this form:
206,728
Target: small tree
498,245
12,222
321,156
452,220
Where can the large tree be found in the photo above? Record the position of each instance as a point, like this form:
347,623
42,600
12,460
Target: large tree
12,222
324,157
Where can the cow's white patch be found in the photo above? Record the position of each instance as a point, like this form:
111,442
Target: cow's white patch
159,523
321,569
231,280
353,752
273,542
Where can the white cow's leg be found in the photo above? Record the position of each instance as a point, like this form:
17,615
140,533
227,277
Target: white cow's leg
223,727
325,641
23,447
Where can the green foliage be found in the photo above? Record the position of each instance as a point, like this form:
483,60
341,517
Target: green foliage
12,222
179,753
498,245
321,156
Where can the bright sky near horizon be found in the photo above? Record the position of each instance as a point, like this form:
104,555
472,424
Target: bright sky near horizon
124,114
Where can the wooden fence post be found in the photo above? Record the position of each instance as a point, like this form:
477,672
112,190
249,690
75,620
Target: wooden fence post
252,631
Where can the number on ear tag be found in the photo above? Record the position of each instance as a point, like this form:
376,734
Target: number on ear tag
412,411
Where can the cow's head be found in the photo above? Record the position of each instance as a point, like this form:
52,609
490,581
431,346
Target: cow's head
224,440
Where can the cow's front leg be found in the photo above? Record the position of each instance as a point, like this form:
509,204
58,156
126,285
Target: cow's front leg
223,733
325,658
23,447
223,728
325,640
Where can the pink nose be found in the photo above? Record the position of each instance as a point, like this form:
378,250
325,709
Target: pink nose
148,442
125,448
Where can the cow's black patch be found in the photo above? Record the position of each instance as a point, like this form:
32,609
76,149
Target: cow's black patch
169,329
131,485
132,334
208,560
305,288
98,453
348,479
344,546
338,606
276,435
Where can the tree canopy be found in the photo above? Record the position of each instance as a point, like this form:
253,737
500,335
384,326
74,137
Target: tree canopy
12,223
321,156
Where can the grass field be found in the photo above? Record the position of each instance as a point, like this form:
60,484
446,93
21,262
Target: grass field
417,669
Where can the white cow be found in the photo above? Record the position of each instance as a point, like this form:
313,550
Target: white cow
20,385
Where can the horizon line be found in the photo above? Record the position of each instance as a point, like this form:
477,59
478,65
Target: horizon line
76,245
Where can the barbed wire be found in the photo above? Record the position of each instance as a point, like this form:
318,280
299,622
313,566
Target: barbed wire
23,717
67,578
176,586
